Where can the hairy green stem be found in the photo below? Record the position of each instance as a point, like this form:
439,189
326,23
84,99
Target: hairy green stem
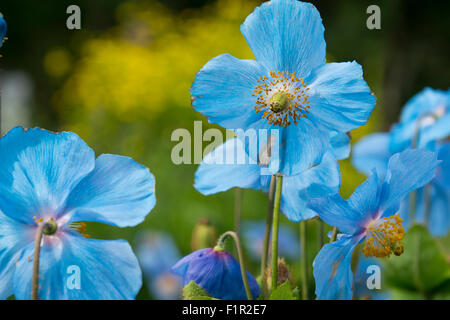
237,209
265,252
37,253
320,234
237,242
276,219
333,234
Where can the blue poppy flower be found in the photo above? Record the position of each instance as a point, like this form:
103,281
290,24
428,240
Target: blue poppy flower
229,166
55,179
157,253
289,89
425,118
217,272
3,29
369,214
253,235
372,152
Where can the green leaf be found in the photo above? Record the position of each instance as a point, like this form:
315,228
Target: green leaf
422,267
193,291
283,292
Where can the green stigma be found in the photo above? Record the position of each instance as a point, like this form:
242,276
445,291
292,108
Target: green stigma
49,228
278,102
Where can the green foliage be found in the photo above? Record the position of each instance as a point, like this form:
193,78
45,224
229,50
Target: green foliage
193,291
283,292
422,268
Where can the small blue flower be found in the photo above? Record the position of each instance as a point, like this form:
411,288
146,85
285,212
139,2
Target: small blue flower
369,214
217,272
253,235
289,88
372,152
157,253
3,29
425,118
216,175
56,179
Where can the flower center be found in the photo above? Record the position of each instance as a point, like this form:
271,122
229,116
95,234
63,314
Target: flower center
49,227
384,237
282,97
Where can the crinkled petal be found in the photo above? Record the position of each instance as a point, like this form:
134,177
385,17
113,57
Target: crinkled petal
340,144
286,36
407,171
223,89
319,181
107,270
332,270
38,170
372,152
119,191
339,97
14,236
226,167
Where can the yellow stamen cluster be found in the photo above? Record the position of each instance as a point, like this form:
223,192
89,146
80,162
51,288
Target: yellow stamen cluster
37,221
292,87
384,237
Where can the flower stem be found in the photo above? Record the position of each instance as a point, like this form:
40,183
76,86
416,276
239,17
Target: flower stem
265,252
237,243
237,210
37,253
320,234
276,219
333,234
304,274
427,191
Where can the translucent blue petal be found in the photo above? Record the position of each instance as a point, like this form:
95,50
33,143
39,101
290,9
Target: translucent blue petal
339,97
425,102
340,144
407,171
332,270
226,167
3,29
372,152
443,171
402,135
38,170
366,198
119,191
286,36
14,236
319,181
108,270
223,90
216,272
437,131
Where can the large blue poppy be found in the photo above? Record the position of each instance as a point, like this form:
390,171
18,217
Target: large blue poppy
47,177
370,215
288,88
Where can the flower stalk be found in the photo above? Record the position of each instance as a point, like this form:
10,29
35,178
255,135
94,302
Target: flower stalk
221,246
304,274
237,210
265,252
276,219
37,253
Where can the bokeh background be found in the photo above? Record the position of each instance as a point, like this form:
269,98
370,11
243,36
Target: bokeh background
122,83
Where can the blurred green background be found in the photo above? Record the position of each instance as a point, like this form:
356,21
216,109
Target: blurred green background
122,83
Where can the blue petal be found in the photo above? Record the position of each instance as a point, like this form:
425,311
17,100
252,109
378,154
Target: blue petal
286,36
3,29
38,170
119,191
407,171
340,144
14,236
226,167
108,270
351,216
339,97
443,171
372,152
223,90
319,181
425,102
437,131
332,270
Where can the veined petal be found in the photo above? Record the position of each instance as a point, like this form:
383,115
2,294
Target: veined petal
340,144
14,236
223,90
226,167
332,270
339,97
286,36
38,169
107,270
119,191
443,171
407,171
372,152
